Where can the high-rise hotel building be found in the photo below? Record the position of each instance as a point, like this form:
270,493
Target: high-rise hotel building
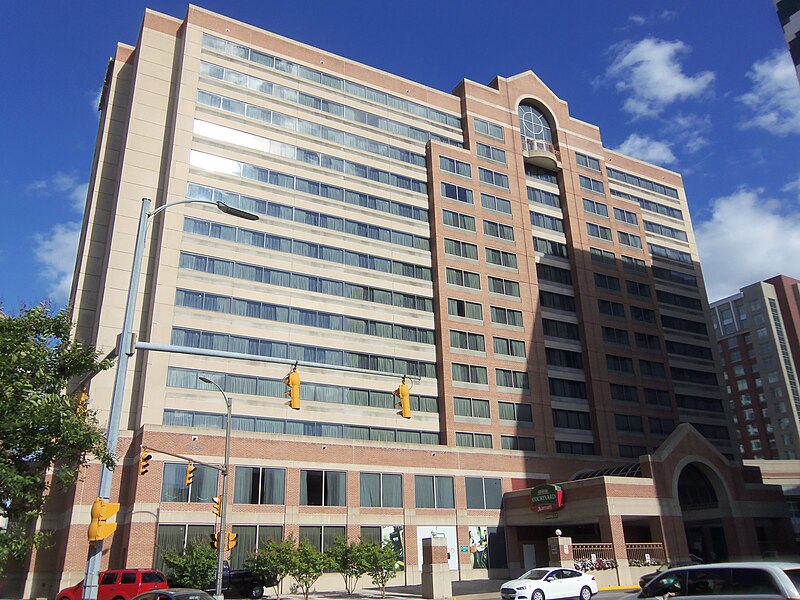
542,293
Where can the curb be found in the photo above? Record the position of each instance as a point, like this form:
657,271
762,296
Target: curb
616,588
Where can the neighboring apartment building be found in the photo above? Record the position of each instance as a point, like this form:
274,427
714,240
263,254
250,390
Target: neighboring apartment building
789,16
543,294
759,340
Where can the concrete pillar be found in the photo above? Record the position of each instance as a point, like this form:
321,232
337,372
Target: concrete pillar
436,582
560,551
611,531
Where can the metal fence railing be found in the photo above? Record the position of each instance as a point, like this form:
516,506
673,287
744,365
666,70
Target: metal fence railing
651,553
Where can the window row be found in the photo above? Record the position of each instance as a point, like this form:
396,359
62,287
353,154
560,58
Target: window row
550,248
641,182
312,157
542,197
457,193
326,79
274,388
489,129
593,185
185,418
457,167
657,228
223,342
670,253
491,153
310,128
547,222
465,373
307,186
587,161
301,316
495,203
258,239
343,111
496,285
493,178
299,281
649,205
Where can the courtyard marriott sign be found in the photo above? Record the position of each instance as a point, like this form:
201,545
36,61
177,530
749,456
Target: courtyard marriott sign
547,498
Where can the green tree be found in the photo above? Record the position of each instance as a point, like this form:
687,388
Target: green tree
350,559
41,426
382,564
194,567
272,563
308,566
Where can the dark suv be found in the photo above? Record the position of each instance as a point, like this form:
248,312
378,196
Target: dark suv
119,584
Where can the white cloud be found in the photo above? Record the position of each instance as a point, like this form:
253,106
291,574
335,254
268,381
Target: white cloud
647,149
774,99
56,251
651,73
637,19
62,184
793,187
748,238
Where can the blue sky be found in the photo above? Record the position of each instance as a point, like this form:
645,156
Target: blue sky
710,93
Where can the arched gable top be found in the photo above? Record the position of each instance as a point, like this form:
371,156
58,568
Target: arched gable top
536,121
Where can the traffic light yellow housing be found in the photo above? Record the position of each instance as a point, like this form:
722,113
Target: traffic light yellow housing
231,540
404,393
99,529
292,380
214,540
217,506
190,469
144,461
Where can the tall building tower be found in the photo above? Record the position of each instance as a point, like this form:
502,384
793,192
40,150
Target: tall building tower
759,339
789,16
541,294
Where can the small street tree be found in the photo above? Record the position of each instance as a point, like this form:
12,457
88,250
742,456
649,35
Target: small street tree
382,564
308,566
41,426
350,559
273,562
194,567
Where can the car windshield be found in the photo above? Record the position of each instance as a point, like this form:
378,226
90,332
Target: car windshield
194,595
535,574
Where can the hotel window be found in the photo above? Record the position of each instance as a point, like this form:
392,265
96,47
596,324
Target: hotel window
469,373
629,423
517,442
560,329
593,185
543,197
508,347
553,274
557,301
599,231
460,249
457,167
643,315
434,491
645,341
567,388
629,239
491,153
634,264
490,129
505,287
511,379
511,411
498,230
597,208
602,256
638,289
202,489
473,440
670,253
657,228
463,308
606,282
322,537
572,419
650,368
471,407
660,426
463,278
533,124
493,177
624,393
547,222
501,259
619,337
619,364
656,397
563,447
458,193
587,161
611,309
467,341
551,248
256,485
381,490
494,203
626,216
459,220
323,488
506,316
484,492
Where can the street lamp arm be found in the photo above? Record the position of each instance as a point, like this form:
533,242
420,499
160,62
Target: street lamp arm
226,208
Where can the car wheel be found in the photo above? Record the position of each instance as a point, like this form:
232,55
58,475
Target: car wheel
256,593
538,595
586,593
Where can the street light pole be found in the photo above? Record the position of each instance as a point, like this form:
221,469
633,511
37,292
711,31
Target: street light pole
224,497
124,352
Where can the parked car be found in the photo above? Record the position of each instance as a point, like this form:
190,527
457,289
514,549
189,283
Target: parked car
240,583
119,584
174,594
693,560
751,580
550,583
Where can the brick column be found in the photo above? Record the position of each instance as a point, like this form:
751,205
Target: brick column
611,531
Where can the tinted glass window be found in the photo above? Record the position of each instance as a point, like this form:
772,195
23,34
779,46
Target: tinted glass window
745,582
705,582
108,579
153,577
668,583
128,577
794,575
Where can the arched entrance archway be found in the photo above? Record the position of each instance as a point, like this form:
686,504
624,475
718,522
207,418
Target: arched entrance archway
704,503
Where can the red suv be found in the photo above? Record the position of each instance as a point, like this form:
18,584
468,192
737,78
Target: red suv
119,584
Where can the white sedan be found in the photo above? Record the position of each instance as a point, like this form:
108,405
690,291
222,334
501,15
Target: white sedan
549,584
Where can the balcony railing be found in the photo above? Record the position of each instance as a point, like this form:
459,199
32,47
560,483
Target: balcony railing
651,553
541,153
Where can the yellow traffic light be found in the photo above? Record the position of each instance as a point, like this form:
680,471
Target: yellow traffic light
214,540
83,401
144,461
99,529
231,541
217,506
292,380
404,393
190,469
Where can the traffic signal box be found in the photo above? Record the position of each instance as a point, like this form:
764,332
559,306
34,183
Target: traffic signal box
404,393
190,469
231,541
214,540
144,461
99,529
217,506
292,381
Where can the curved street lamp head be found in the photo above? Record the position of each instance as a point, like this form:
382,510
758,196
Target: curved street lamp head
206,380
236,212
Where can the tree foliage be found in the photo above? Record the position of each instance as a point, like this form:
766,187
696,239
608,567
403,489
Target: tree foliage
194,567
308,565
382,564
272,563
350,559
41,426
